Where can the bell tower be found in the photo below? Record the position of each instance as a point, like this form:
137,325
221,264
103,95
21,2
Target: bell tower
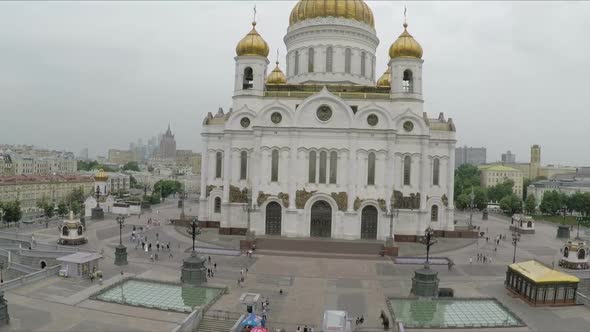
535,161
251,64
406,67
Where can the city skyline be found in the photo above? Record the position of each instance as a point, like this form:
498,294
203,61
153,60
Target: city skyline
486,65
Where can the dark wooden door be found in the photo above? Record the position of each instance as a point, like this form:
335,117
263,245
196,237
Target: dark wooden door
273,218
369,223
321,219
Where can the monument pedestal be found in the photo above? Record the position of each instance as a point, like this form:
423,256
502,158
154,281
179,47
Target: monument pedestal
4,318
563,232
120,255
97,214
390,249
194,271
425,282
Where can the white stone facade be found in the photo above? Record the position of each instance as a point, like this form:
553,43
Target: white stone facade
370,157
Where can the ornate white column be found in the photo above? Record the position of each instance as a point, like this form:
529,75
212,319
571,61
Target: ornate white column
424,173
450,178
204,169
227,160
352,176
254,168
293,168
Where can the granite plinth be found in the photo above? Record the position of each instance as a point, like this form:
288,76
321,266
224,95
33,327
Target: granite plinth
120,255
194,271
425,282
97,213
563,232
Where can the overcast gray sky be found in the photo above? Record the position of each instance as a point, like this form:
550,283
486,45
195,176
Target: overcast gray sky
102,74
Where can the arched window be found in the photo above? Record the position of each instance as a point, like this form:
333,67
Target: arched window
310,59
434,213
347,60
248,78
581,254
371,169
296,65
323,162
363,63
435,171
218,161
408,81
217,205
243,165
333,166
566,252
407,170
329,59
274,173
312,166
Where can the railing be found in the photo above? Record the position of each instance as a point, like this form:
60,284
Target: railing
223,315
22,268
190,323
30,278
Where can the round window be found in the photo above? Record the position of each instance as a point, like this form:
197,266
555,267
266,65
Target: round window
372,120
245,122
324,113
276,117
408,126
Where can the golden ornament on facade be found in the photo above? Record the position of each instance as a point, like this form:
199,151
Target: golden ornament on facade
252,44
341,199
356,10
262,197
405,46
385,80
301,197
284,197
276,76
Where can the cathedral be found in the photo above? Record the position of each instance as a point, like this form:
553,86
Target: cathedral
323,147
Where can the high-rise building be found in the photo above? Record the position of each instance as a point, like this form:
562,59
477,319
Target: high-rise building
167,146
508,157
469,155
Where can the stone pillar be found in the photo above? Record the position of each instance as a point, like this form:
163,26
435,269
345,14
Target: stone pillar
294,169
193,271
120,255
352,175
204,169
450,178
227,165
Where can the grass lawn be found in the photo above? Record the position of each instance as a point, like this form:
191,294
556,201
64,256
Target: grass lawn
569,220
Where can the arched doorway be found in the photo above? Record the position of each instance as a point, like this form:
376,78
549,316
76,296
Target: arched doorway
369,223
273,218
321,219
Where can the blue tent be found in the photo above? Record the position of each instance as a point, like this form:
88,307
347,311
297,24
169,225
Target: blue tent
251,320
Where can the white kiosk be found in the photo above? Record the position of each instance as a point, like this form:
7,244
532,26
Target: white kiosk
575,256
522,224
71,231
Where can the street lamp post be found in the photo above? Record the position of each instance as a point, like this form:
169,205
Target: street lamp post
515,239
393,213
120,250
472,197
249,207
428,241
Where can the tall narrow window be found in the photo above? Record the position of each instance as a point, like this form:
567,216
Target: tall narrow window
371,169
310,59
248,78
312,166
347,60
333,166
408,81
363,63
435,172
434,213
296,66
407,170
217,207
329,59
218,161
323,162
243,165
274,174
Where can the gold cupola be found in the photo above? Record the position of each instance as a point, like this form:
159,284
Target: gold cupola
101,176
252,44
276,76
385,80
405,46
356,10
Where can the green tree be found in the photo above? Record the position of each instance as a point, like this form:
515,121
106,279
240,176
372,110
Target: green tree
466,176
167,187
511,204
551,203
46,206
480,198
462,202
525,186
131,166
12,211
501,190
530,205
62,209
585,204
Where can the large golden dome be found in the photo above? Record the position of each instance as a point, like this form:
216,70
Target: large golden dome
405,46
385,79
356,10
252,44
101,176
276,76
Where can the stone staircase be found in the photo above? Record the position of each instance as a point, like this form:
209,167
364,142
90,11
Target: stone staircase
210,324
326,246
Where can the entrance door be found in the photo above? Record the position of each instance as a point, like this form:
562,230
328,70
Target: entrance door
321,219
369,223
273,218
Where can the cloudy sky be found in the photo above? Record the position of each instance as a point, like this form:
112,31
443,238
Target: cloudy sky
103,74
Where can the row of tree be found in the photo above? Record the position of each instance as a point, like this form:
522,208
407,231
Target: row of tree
554,202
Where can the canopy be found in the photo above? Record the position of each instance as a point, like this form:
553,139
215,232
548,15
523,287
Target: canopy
252,320
259,329
539,273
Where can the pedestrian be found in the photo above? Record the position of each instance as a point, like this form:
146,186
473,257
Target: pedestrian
490,260
484,259
150,247
298,328
158,246
215,266
362,319
208,272
156,256
238,282
281,291
246,272
157,236
305,328
170,255
470,260
242,272
209,259
152,258
168,246
356,323
311,329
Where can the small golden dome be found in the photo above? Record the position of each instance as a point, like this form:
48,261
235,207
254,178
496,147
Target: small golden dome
385,80
252,44
101,176
276,76
405,46
356,10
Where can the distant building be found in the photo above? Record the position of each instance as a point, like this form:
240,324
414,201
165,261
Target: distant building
492,175
121,157
6,166
509,157
31,189
470,155
533,169
29,160
83,155
563,183
167,146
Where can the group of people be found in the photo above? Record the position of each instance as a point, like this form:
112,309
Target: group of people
481,258
360,320
305,329
243,275
212,268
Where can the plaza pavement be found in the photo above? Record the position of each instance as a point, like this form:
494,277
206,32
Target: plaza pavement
310,284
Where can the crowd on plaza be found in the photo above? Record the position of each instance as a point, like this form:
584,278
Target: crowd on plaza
487,259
